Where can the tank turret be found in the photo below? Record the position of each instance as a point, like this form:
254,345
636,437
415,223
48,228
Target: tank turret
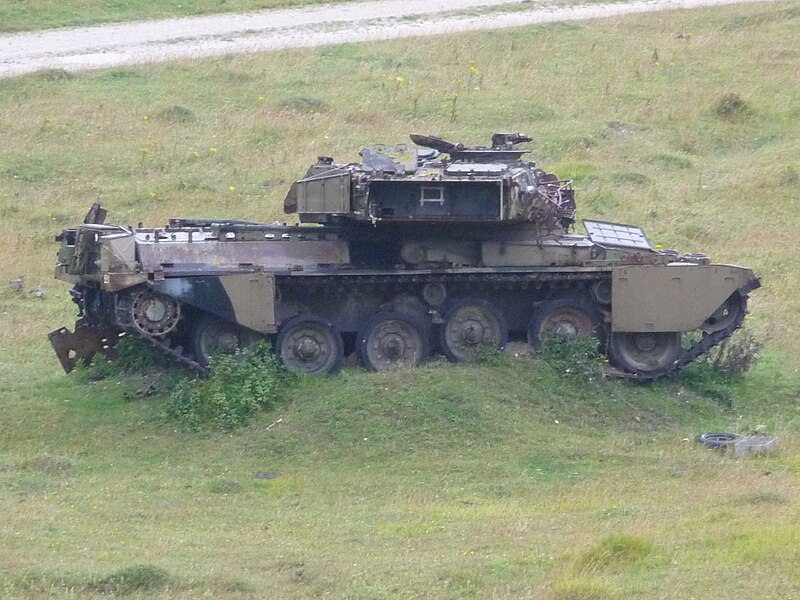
438,182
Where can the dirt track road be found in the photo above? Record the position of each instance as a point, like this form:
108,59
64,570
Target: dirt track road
154,41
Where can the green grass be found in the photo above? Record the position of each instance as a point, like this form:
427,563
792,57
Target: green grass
441,483
501,480
16,15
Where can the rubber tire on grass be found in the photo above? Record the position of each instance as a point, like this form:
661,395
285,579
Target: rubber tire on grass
719,439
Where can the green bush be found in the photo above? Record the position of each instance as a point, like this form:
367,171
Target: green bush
735,355
238,385
132,356
614,552
577,356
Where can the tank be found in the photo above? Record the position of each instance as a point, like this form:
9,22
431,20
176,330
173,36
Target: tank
415,249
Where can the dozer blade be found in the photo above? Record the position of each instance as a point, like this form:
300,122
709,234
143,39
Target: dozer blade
87,340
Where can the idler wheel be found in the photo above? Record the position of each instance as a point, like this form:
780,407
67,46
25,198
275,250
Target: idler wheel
154,314
471,326
729,312
644,352
391,340
563,318
601,292
212,336
310,345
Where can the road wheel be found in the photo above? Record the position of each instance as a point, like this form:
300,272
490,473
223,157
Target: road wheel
563,318
212,336
644,352
310,345
471,326
391,340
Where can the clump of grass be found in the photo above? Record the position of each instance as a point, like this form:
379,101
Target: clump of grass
237,387
27,169
580,588
614,552
491,356
735,355
715,375
703,380
176,114
760,499
48,463
731,107
305,104
54,75
630,177
136,578
131,356
671,161
788,176
225,486
577,356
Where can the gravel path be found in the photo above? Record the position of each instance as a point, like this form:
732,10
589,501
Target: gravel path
153,41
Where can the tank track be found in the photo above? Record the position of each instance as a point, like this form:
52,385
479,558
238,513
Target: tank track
688,355
122,311
176,354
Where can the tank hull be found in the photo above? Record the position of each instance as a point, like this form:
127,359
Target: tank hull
161,284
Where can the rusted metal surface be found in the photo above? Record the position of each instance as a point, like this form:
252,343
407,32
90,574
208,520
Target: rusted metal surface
84,343
401,184
96,215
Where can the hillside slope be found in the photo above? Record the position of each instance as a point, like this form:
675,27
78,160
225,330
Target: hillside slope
512,479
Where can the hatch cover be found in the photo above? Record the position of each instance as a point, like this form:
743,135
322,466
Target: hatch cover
615,234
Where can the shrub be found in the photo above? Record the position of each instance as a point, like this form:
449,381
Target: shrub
735,355
238,385
577,356
132,356
731,107
614,552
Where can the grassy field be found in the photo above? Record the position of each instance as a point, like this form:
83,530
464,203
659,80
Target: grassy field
504,480
40,14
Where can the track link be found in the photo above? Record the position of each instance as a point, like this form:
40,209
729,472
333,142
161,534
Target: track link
176,354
